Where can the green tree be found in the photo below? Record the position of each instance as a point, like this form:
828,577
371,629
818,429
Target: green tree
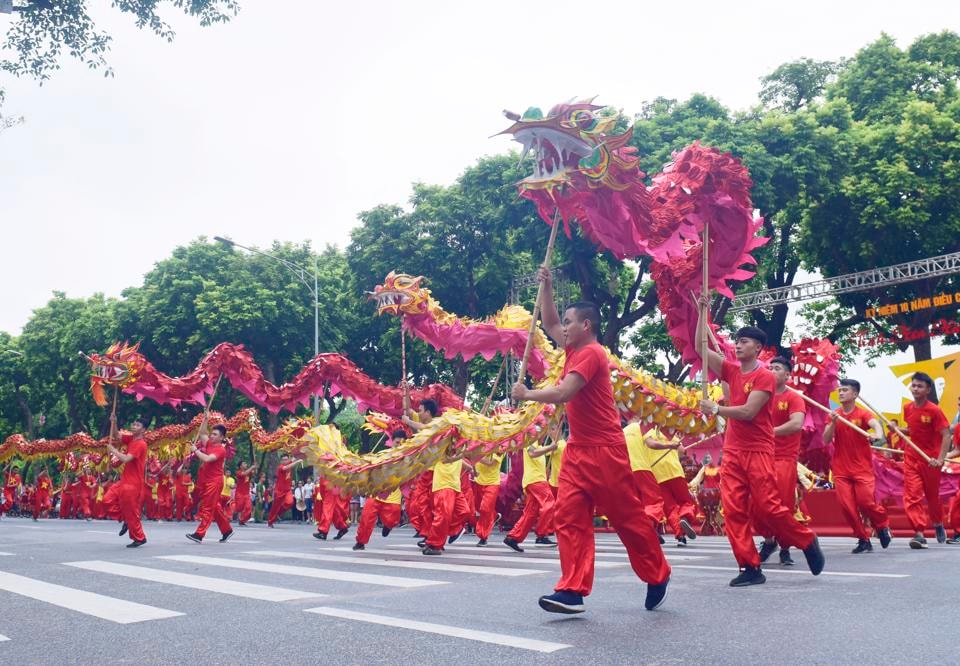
794,85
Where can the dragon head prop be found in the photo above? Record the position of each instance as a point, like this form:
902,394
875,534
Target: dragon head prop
119,366
401,294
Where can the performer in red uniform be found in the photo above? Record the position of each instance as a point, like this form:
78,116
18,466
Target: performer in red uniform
852,466
66,497
486,490
749,481
124,497
335,510
41,496
86,493
538,509
210,483
420,502
596,467
789,410
385,507
282,489
183,494
11,487
242,501
165,494
928,428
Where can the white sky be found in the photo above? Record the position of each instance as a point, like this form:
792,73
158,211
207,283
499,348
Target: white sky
288,121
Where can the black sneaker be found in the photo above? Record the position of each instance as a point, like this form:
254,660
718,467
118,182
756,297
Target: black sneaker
545,541
681,541
815,558
749,576
430,550
660,536
512,543
955,539
656,595
385,532
863,546
941,533
918,543
767,548
417,535
320,535
123,529
884,536
359,546
223,538
193,536
340,533
482,542
422,543
562,601
456,536
688,529
785,559
136,544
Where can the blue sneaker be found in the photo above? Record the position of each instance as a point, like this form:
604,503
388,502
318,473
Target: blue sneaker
656,595
562,601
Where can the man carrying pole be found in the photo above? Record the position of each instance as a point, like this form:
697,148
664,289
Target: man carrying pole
125,496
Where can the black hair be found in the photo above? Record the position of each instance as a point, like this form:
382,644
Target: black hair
782,360
587,311
431,406
753,333
852,383
398,434
928,380
222,429
141,420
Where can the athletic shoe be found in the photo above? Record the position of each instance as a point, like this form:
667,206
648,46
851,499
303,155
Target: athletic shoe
660,536
320,535
785,559
417,535
422,543
955,539
512,543
482,542
240,524
656,595
884,536
136,544
749,576
545,541
430,550
223,538
123,529
456,536
359,546
688,529
941,533
681,542
863,546
767,549
340,533
385,532
270,525
562,601
815,558
193,536
918,543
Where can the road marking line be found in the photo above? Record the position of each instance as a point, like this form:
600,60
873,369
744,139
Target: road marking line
27,527
111,533
3,638
497,557
442,629
88,603
511,556
431,565
5,554
798,571
307,572
236,588
242,541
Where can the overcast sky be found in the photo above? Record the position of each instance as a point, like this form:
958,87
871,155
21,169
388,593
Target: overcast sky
288,121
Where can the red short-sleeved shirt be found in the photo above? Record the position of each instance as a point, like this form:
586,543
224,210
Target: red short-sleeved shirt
592,413
926,425
787,447
852,455
212,472
283,483
243,485
755,435
132,474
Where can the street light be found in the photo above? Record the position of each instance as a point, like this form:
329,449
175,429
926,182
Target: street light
302,273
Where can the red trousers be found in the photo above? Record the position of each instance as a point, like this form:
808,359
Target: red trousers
857,495
955,512
41,502
66,506
749,482
600,476
244,508
450,512
318,509
466,489
336,510
539,510
677,503
785,471
279,506
419,507
184,502
650,494
211,509
83,505
165,506
921,482
487,497
128,502
389,515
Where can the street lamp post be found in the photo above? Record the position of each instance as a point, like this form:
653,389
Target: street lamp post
301,273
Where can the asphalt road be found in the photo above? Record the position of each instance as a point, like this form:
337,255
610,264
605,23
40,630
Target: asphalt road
71,593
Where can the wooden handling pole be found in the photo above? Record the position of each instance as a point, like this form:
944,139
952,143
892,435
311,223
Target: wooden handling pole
827,410
493,389
403,367
536,306
705,293
685,448
897,430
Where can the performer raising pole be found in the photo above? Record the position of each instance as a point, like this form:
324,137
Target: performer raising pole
124,497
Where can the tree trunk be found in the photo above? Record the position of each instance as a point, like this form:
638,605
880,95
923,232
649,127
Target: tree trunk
76,425
25,409
461,376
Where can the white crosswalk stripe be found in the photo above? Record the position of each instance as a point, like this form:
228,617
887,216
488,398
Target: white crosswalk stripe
428,565
89,603
622,558
232,587
3,638
442,629
307,572
499,558
853,574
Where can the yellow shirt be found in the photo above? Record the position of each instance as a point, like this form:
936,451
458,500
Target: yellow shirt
228,485
489,475
534,469
393,498
669,467
638,451
642,456
556,462
447,475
